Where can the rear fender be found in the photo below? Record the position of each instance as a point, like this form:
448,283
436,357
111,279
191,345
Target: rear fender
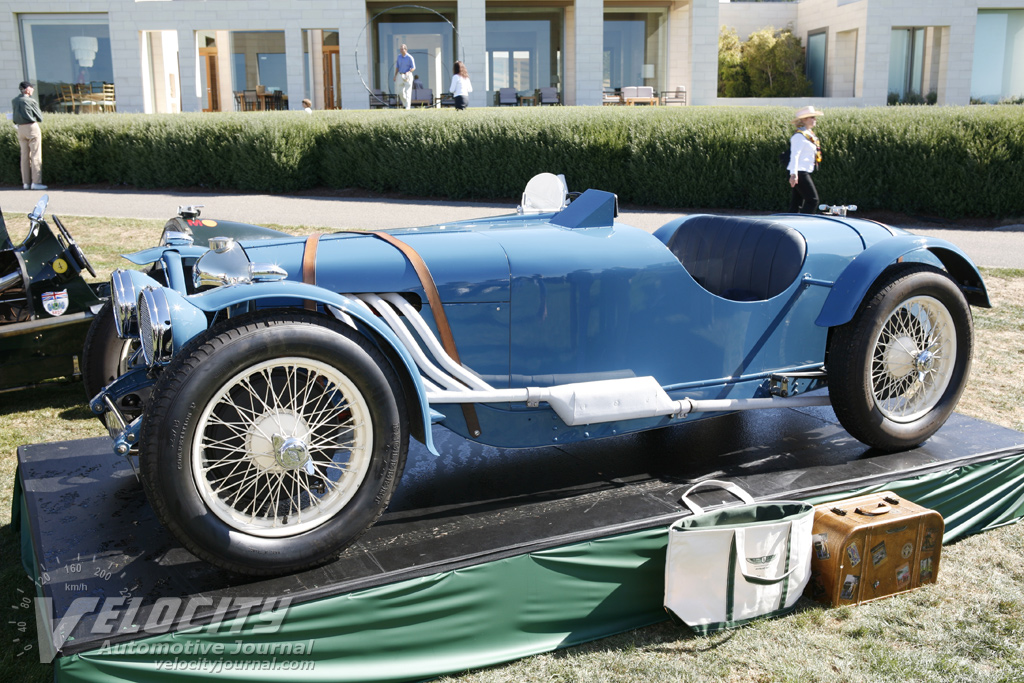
288,293
853,283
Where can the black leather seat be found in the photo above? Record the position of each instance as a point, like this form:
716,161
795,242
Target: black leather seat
739,258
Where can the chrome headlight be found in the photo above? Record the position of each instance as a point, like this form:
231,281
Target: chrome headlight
123,299
155,327
225,264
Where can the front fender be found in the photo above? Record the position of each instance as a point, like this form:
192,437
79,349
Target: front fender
297,293
853,283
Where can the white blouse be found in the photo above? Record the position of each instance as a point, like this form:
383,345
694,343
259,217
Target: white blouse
801,154
460,87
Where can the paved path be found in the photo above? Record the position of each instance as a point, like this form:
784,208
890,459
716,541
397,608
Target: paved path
996,247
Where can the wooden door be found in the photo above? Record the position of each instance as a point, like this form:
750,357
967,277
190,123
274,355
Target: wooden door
332,77
210,82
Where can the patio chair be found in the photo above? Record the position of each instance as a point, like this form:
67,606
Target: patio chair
548,96
422,97
108,100
675,97
68,99
250,100
88,101
507,97
611,97
380,99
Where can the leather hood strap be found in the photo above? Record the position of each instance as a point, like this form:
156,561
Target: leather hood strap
444,330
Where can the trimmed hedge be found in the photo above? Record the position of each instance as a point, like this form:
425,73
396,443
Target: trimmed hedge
944,161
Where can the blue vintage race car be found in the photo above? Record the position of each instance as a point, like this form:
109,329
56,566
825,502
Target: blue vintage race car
278,379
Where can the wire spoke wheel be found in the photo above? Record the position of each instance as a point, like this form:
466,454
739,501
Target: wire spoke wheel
897,369
913,359
282,446
273,441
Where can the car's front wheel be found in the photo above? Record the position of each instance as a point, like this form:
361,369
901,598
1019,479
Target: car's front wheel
897,369
274,443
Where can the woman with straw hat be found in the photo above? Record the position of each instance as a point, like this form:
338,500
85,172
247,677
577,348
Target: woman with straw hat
804,157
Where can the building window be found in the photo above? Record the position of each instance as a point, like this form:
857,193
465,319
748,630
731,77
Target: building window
998,70
67,57
429,38
524,51
906,62
635,48
817,48
258,64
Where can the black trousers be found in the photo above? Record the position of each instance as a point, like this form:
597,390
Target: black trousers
804,198
461,101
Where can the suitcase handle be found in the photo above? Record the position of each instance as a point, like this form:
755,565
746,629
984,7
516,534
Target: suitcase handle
874,512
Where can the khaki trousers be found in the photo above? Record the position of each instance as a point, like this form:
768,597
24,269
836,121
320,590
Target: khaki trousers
405,90
30,137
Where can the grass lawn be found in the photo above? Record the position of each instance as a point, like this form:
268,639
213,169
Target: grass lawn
969,626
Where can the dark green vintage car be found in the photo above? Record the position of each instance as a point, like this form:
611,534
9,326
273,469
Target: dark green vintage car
46,305
47,309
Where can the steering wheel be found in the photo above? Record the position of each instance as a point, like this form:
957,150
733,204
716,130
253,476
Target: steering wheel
73,249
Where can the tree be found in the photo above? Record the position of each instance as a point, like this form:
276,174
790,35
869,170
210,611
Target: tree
732,77
774,64
769,64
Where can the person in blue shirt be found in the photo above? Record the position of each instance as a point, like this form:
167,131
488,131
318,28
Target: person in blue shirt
404,66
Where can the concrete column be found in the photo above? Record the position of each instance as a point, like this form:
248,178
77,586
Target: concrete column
471,47
956,61
316,67
225,88
293,56
678,57
703,52
125,42
190,99
877,45
588,52
353,93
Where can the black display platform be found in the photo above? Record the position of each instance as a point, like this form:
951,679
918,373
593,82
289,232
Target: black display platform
93,533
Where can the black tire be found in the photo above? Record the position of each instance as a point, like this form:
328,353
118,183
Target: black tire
231,477
893,375
105,355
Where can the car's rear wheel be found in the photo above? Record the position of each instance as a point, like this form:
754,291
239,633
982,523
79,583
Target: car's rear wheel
274,443
897,369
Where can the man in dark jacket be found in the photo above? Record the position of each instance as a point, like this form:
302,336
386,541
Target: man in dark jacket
27,117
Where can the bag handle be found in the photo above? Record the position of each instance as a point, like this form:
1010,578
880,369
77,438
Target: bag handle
713,483
738,544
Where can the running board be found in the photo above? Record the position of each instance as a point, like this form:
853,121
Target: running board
617,399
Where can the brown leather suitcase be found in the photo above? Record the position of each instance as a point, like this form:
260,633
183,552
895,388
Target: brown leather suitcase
872,546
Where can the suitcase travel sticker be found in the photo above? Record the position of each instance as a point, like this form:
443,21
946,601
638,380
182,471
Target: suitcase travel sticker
821,546
878,554
853,554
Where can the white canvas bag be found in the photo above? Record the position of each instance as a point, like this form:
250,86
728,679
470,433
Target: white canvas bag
728,566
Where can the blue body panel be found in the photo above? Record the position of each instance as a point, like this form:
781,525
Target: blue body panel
542,300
